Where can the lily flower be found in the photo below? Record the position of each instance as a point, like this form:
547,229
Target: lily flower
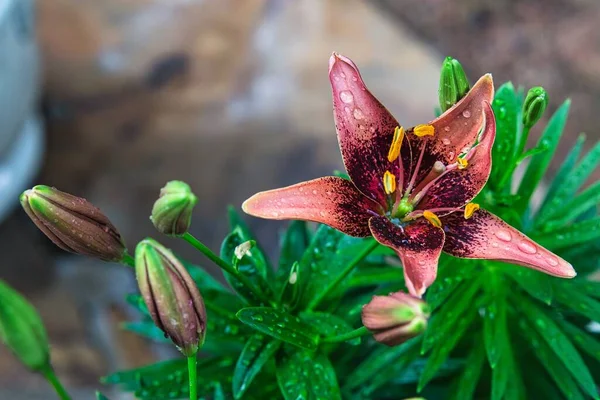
411,189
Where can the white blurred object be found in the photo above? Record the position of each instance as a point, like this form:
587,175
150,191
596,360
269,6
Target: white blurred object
21,139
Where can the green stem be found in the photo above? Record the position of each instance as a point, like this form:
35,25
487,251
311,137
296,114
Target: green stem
128,260
510,171
362,331
192,370
317,299
225,266
51,377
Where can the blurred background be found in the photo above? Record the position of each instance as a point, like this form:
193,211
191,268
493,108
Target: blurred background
111,99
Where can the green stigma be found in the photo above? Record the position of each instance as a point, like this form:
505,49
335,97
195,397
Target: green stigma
404,207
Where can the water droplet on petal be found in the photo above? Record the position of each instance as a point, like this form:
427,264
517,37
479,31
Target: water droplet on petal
346,96
503,235
343,75
275,214
447,128
372,129
354,78
358,114
446,141
314,191
552,261
527,247
494,244
466,114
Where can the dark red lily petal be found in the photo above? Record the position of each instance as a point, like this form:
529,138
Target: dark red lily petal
455,131
418,245
486,236
459,186
330,200
365,129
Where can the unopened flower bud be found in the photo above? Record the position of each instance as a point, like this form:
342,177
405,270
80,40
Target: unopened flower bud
172,212
534,106
73,223
454,84
172,297
395,318
22,330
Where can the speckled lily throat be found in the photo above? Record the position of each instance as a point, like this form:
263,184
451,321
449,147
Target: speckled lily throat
411,189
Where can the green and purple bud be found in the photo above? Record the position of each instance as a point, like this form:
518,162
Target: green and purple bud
395,318
172,212
534,106
22,329
73,223
171,295
454,84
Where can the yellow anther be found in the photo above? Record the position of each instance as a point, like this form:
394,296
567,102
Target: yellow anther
389,182
424,130
396,144
432,218
462,163
470,209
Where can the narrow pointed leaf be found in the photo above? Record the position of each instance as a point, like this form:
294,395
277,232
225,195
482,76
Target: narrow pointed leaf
295,241
258,351
536,283
570,210
236,221
280,325
539,164
507,108
495,331
329,325
100,396
561,345
578,302
585,341
303,374
375,276
252,265
468,380
572,235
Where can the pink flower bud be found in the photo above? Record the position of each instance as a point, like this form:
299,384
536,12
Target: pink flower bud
171,295
73,224
395,318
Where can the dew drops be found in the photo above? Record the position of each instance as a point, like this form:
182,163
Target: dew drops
314,191
527,247
322,213
466,114
275,213
505,236
354,78
421,262
358,114
447,128
552,261
346,96
372,129
494,244
446,141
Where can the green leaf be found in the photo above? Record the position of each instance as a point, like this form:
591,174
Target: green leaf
582,339
328,325
204,280
537,284
448,281
507,108
577,301
280,325
567,181
379,362
570,210
560,345
295,242
495,331
257,352
329,252
569,236
442,349
219,392
100,396
252,265
303,374
146,329
550,362
375,276
444,320
539,164
467,383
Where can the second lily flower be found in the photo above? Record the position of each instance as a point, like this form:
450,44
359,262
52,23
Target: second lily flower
411,189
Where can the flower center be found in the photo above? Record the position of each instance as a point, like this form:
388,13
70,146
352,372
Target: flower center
402,209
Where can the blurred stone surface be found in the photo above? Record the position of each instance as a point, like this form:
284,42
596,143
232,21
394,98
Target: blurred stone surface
550,43
230,96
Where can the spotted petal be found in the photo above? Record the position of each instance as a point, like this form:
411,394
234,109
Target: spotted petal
488,237
418,245
330,200
364,127
459,186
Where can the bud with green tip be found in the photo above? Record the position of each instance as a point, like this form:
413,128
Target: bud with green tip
395,318
454,84
534,106
172,212
172,297
73,223
22,330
